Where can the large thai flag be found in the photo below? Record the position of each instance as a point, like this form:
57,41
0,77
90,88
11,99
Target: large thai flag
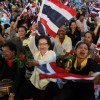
95,11
53,14
51,70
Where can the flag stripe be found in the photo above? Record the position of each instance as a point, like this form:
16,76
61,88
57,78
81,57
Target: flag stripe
49,30
67,8
64,10
54,16
95,11
56,68
41,29
53,71
7,14
66,76
50,24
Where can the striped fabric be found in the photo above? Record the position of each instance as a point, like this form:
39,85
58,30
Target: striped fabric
53,14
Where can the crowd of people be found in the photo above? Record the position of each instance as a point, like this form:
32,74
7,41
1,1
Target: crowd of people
19,38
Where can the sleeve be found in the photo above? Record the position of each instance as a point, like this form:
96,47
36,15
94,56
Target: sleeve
95,68
32,45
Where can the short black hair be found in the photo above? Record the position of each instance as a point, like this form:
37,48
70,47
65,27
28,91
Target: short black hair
44,37
92,34
23,28
11,46
81,42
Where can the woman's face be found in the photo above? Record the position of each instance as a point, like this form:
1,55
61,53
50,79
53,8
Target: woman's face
88,38
87,14
82,51
73,25
7,53
21,32
43,46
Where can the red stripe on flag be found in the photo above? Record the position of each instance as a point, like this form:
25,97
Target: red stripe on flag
50,32
67,8
66,75
97,7
56,68
8,15
61,73
94,14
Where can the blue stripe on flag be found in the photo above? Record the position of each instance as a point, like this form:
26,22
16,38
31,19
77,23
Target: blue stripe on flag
54,16
43,68
95,10
40,28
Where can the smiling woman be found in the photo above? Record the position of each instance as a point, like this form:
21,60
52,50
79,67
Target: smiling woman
42,55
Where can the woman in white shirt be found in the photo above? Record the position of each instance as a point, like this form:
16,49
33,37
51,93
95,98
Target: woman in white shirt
42,55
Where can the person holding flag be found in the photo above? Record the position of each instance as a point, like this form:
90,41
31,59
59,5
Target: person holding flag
81,65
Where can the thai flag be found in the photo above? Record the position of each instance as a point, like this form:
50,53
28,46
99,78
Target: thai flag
26,9
6,11
53,14
29,9
65,2
51,70
41,29
95,11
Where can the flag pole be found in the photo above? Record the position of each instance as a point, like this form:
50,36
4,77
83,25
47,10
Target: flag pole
41,8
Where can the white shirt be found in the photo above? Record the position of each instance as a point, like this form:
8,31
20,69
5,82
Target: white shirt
48,57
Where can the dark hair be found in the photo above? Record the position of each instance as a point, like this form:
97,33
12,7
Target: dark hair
79,43
71,23
81,15
44,37
92,34
11,46
23,28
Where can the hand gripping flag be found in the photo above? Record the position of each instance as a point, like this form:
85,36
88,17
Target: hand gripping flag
51,70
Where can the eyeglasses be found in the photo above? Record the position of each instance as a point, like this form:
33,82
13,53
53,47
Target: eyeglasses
6,51
42,44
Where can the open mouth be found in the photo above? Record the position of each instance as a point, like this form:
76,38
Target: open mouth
82,53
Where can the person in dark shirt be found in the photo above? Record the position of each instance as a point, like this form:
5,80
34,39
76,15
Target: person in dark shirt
74,33
9,69
81,65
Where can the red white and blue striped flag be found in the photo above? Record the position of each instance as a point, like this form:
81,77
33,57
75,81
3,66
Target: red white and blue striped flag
51,70
95,11
53,14
6,11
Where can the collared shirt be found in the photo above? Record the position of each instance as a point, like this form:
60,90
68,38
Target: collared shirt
48,57
61,49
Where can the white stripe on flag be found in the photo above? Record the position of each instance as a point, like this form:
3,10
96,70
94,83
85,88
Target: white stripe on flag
50,24
63,12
